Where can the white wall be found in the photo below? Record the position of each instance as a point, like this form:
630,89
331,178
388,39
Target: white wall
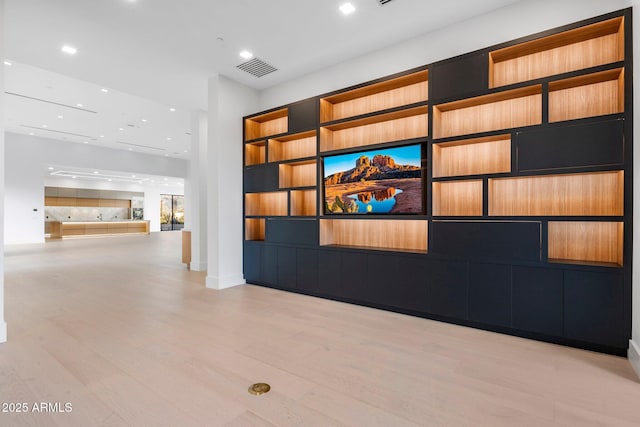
228,103
27,158
518,20
3,325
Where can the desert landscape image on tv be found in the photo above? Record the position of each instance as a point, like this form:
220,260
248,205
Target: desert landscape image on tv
376,181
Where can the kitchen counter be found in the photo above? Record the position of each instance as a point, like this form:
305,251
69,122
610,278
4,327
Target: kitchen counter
95,228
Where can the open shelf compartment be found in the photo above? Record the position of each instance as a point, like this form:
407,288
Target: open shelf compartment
404,90
396,126
472,156
264,125
586,242
255,153
303,202
582,194
254,229
384,234
292,147
589,46
457,198
590,95
266,204
298,174
496,111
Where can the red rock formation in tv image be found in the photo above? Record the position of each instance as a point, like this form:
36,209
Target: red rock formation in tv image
377,179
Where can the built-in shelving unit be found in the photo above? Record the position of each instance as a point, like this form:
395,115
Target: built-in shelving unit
399,125
265,125
291,147
475,156
383,234
457,198
526,163
584,194
404,90
298,174
589,46
503,110
595,242
590,95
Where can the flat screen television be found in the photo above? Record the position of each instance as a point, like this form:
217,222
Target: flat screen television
380,181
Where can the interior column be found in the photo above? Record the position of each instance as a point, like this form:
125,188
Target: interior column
196,191
3,324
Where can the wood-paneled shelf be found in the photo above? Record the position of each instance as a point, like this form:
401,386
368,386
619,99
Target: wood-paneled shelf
583,194
404,90
254,229
472,156
585,242
298,174
589,46
265,125
496,111
292,147
303,202
255,153
384,234
266,204
591,95
457,198
399,125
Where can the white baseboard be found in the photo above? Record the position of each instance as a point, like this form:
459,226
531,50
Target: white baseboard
3,332
219,283
634,356
198,266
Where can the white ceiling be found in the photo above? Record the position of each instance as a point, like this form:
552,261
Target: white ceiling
157,54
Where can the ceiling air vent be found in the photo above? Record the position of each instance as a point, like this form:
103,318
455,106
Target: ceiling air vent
383,2
257,67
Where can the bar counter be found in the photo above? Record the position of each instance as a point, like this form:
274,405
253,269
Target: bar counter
60,230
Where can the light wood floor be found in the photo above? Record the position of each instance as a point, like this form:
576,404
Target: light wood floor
121,330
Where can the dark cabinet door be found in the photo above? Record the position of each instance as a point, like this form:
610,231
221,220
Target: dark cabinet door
303,115
251,261
287,268
259,178
537,300
307,269
398,281
269,265
594,308
447,286
490,294
460,76
292,231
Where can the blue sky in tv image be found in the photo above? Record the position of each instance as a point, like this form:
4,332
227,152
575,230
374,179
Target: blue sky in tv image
409,155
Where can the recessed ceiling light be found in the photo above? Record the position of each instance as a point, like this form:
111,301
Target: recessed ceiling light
166,155
50,168
8,63
172,109
44,126
144,120
120,128
130,149
61,117
109,180
79,105
169,138
105,90
69,49
73,176
31,133
85,142
186,151
96,172
347,8
101,136
133,176
246,54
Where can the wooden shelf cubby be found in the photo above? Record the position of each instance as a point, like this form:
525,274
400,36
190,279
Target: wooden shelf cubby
272,203
254,228
590,95
472,156
255,153
588,46
292,147
404,90
582,194
298,174
495,111
399,125
303,202
265,125
586,242
457,198
384,234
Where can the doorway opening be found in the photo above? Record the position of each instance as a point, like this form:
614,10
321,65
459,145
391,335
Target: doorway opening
171,212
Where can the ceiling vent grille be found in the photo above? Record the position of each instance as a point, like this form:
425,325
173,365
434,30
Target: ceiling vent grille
257,67
383,2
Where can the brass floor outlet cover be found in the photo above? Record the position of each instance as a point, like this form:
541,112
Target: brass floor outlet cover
259,388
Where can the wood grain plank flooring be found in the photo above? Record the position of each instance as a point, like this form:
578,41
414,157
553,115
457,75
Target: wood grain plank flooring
120,329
